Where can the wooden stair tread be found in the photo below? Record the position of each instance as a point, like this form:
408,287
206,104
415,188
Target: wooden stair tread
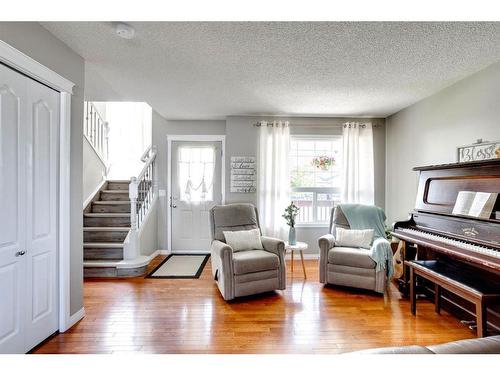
115,191
106,229
106,214
109,245
111,202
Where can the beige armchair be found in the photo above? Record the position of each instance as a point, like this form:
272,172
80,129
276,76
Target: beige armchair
247,272
347,266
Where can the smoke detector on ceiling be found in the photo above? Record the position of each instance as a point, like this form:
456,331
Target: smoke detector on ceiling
124,31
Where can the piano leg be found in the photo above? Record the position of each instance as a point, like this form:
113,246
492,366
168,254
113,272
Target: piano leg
481,319
413,295
437,298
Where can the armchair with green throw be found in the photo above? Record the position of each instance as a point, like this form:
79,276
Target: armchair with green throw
244,272
356,267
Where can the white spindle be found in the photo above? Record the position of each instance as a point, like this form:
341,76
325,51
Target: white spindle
96,131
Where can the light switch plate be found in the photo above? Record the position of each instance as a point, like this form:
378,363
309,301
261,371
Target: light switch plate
162,193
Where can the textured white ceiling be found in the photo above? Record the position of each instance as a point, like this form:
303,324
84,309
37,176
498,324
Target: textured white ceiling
203,70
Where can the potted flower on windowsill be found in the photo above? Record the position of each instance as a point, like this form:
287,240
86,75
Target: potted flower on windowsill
324,162
290,214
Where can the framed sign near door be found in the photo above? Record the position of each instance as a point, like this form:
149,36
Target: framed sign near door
479,151
243,179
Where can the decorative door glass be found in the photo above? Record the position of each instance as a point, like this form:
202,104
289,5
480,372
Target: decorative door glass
196,173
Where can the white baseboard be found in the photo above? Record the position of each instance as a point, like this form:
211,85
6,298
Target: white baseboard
159,252
94,193
306,256
76,317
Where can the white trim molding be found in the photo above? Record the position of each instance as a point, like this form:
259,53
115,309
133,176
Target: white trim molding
194,138
32,68
19,61
76,317
94,193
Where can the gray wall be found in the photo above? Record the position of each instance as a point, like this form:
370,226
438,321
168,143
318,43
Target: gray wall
94,170
148,235
162,128
36,42
242,139
430,131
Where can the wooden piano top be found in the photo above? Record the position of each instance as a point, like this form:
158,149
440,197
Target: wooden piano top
465,165
439,185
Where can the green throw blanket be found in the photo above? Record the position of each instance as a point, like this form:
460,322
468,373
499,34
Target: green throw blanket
362,216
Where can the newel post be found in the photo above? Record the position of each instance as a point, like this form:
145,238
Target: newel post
130,250
155,171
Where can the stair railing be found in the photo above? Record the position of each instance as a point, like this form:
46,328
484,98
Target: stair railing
96,130
142,191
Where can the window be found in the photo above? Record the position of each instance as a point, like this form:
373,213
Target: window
196,173
315,176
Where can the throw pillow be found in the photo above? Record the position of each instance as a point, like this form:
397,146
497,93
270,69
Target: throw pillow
354,238
244,239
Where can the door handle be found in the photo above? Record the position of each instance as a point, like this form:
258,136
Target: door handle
172,203
20,253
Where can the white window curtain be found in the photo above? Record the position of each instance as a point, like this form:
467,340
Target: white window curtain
274,177
358,177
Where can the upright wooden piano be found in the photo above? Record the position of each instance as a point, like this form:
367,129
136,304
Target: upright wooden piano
459,250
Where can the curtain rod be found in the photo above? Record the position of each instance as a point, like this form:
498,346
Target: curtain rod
270,123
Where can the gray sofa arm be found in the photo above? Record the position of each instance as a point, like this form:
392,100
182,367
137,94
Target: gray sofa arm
222,268
326,243
221,249
277,246
273,245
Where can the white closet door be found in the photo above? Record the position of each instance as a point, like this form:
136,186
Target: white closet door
29,156
41,212
12,199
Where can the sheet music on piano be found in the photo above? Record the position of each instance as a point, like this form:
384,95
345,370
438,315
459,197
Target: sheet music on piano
476,204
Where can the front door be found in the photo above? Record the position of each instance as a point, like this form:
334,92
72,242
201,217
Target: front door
196,188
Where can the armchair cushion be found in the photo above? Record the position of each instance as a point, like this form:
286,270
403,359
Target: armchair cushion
254,261
352,257
243,239
232,217
338,220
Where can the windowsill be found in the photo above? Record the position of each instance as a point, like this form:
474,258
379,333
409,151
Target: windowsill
312,225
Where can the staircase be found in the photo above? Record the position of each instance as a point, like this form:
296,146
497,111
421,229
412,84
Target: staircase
106,224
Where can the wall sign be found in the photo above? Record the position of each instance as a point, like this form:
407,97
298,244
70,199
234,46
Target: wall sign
479,151
243,179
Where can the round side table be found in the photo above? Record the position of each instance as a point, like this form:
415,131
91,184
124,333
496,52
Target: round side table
300,247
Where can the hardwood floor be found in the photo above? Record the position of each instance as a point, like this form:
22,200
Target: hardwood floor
189,316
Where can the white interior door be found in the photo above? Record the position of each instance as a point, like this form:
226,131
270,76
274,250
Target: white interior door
42,201
196,188
29,123
12,193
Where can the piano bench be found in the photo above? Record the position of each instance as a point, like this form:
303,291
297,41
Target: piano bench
450,278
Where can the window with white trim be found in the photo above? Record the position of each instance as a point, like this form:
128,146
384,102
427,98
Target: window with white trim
315,176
